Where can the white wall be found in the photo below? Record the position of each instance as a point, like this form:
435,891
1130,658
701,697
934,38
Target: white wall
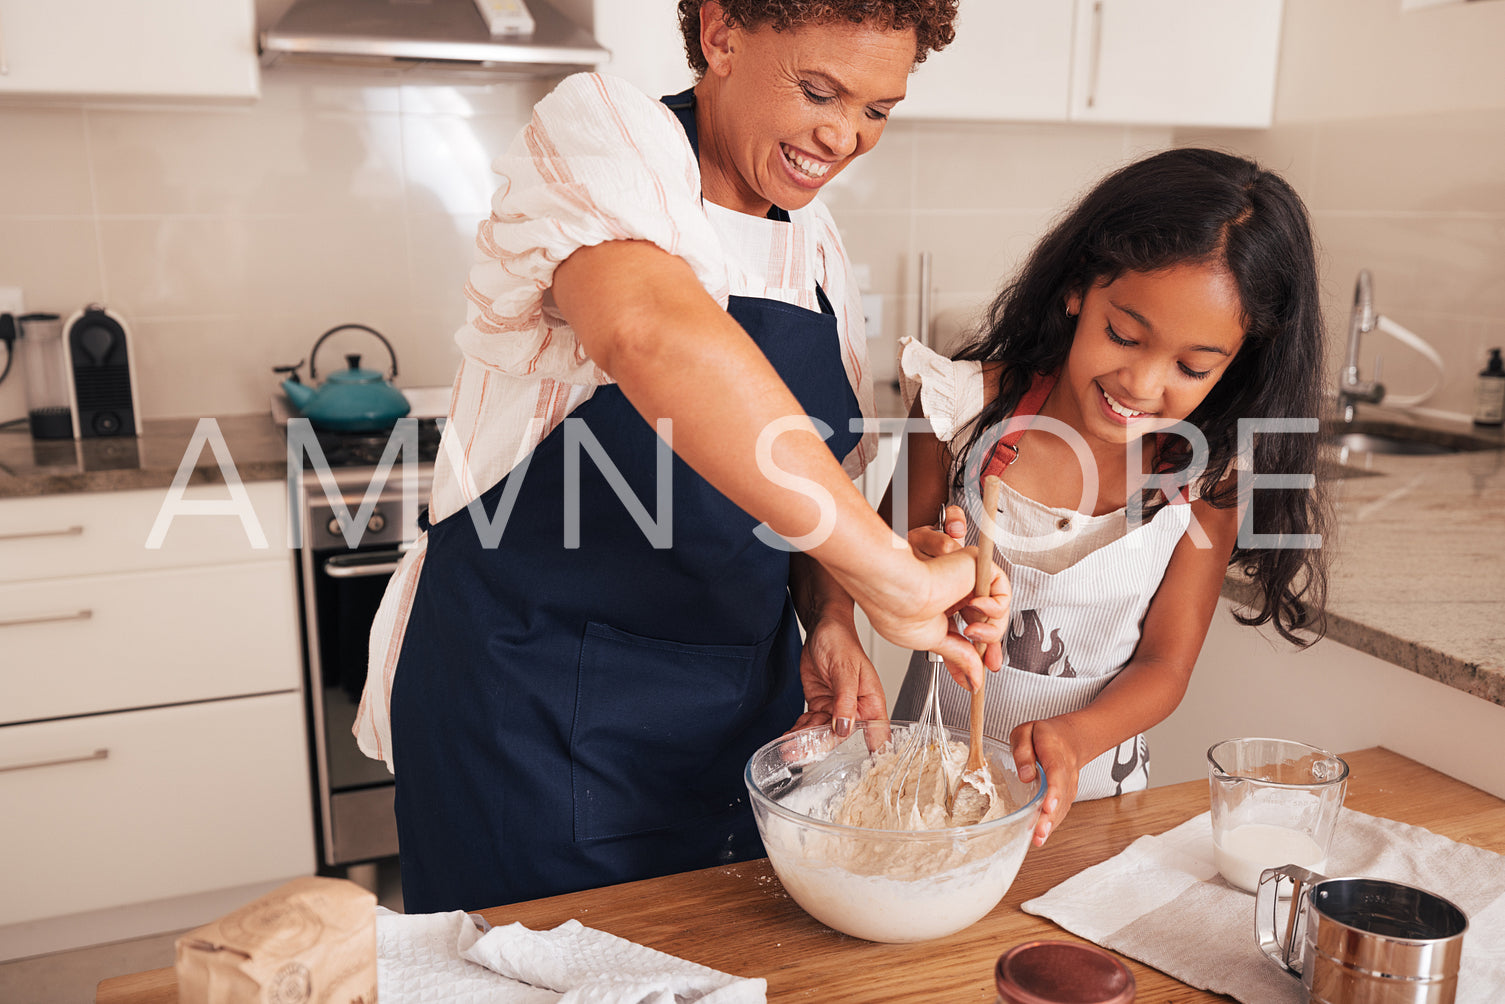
1391,125
1344,59
231,237
1330,696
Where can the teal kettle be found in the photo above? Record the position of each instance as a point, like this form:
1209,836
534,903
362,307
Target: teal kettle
350,400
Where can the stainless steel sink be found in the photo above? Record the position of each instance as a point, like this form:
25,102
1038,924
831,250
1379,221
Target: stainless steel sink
1371,442
1401,439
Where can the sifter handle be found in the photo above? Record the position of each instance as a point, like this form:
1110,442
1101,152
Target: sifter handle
1284,950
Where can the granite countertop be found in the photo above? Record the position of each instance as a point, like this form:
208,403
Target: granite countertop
256,442
1417,576
31,467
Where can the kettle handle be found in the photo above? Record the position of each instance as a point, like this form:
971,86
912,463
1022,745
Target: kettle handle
312,356
1285,950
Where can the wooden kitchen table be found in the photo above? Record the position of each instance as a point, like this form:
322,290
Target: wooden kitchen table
739,919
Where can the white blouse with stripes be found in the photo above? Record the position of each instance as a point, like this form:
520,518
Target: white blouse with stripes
599,161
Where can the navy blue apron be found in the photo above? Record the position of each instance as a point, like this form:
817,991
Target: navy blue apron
569,718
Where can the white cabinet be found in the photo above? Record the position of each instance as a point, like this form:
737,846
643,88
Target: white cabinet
1152,62
96,643
152,737
144,48
107,810
1175,62
51,536
1011,60
1160,62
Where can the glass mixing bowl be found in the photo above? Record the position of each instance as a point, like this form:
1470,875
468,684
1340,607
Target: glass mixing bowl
883,885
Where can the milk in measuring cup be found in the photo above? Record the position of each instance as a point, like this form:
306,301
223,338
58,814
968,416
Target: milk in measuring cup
1247,850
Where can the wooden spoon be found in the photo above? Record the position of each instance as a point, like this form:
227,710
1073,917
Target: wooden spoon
975,790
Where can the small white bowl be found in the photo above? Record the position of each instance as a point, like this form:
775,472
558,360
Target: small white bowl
883,885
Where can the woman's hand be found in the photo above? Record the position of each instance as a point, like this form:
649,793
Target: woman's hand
987,617
1048,743
915,611
841,685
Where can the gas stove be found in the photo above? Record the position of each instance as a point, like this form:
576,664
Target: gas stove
367,449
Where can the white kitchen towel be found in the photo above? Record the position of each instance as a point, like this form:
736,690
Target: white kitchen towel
446,958
1162,901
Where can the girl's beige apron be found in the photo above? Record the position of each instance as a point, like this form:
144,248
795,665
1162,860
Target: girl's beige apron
1070,633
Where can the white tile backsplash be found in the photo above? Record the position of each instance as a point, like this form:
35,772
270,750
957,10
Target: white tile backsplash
231,237
45,167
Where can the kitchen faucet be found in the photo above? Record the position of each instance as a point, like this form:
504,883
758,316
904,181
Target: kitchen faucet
1361,320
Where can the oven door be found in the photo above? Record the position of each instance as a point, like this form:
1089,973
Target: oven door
343,590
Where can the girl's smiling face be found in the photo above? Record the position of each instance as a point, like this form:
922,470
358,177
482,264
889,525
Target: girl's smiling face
1148,348
783,112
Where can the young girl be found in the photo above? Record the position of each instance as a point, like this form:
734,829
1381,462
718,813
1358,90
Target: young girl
1107,389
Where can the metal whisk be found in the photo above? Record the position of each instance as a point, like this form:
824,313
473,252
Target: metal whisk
926,746
924,751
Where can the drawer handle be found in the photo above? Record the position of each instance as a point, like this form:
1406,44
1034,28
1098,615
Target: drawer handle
72,531
77,615
99,754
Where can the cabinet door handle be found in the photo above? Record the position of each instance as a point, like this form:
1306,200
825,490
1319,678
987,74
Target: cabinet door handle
77,615
99,754
72,531
1097,52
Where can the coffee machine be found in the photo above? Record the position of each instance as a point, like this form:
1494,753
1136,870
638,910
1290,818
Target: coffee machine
101,374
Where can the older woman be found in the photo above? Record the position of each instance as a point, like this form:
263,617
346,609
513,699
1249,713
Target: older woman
581,654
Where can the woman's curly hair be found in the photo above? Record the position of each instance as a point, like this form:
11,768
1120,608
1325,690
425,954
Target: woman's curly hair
933,21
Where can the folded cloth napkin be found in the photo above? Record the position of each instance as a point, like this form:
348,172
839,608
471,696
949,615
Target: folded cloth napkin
1162,901
457,958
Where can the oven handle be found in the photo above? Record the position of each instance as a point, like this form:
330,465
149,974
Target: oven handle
361,566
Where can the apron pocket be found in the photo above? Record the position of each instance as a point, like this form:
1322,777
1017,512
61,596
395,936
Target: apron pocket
652,719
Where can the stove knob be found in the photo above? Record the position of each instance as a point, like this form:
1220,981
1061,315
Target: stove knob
377,523
333,526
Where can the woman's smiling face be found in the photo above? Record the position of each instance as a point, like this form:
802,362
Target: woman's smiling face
783,112
1148,348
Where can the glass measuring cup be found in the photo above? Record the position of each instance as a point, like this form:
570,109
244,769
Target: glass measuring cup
1274,802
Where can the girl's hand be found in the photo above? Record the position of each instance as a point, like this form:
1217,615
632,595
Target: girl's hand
841,685
932,541
987,620
1046,742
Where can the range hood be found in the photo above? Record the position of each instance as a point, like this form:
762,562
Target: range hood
443,34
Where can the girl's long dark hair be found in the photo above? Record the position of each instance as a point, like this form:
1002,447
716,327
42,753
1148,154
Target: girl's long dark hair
1202,207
